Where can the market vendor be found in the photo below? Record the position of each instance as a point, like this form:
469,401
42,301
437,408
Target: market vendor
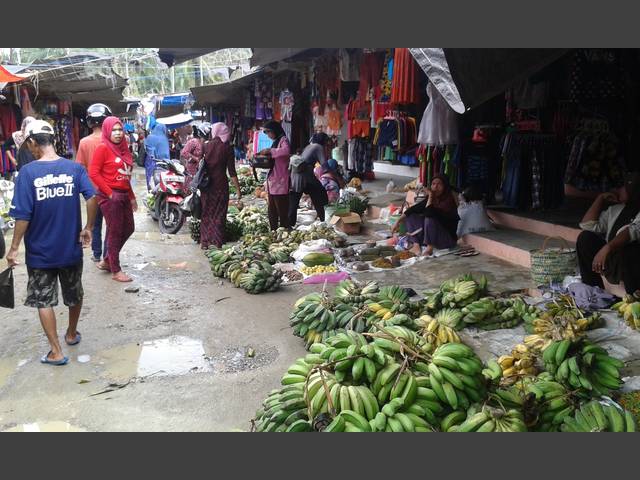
435,219
303,181
278,177
608,244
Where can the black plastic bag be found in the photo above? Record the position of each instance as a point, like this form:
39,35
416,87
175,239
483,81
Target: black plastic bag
7,299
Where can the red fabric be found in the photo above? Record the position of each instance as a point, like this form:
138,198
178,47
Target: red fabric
107,171
405,78
118,213
119,149
6,77
370,73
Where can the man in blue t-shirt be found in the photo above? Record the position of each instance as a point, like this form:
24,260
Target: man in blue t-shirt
46,207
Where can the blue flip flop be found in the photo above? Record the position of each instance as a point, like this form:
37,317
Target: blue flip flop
75,340
57,363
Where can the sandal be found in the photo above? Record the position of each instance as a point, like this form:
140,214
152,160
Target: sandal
76,340
121,277
57,363
103,266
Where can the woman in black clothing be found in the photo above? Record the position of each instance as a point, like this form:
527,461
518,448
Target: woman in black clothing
435,219
304,181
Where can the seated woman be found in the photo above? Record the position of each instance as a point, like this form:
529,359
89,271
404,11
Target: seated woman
609,243
330,179
435,218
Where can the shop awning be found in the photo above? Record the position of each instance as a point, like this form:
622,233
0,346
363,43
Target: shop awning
468,77
265,56
174,56
7,76
176,121
82,77
261,56
227,94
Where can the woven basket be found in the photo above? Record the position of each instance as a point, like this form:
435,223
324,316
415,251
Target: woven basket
553,264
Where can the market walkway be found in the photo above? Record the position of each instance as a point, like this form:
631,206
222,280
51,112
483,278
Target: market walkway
176,355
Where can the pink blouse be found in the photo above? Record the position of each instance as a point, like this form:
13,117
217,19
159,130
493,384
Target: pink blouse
278,179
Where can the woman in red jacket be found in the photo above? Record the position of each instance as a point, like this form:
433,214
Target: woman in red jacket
110,171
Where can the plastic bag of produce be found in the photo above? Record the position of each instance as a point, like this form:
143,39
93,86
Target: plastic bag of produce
312,246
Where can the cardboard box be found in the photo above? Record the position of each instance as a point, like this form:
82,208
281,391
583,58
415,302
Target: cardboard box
349,223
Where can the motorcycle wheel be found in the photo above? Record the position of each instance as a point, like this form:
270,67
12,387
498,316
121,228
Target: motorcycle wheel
172,221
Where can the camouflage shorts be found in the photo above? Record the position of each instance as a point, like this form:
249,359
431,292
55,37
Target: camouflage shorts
42,289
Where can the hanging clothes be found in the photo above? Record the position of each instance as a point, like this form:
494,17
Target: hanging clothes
404,85
439,125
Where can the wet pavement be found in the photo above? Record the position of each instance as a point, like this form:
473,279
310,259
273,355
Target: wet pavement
185,352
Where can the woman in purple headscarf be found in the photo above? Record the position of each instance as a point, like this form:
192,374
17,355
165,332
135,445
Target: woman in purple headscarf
220,160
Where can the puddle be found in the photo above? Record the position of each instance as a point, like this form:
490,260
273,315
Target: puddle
164,357
233,360
45,427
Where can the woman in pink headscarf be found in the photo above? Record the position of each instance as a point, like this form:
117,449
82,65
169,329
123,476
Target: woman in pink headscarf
220,160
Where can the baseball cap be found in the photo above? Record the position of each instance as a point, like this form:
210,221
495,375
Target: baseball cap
39,126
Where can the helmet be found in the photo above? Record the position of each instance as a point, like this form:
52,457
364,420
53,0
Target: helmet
203,129
96,114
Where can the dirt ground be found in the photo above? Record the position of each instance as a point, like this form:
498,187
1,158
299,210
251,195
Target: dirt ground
174,355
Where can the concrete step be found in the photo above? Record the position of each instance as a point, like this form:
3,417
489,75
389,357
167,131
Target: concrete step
549,226
511,245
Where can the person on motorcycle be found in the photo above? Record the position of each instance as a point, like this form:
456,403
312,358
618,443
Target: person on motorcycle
157,148
110,171
96,114
193,150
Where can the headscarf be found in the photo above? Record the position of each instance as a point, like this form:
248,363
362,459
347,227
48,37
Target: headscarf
320,138
119,149
221,131
445,201
276,128
19,136
158,142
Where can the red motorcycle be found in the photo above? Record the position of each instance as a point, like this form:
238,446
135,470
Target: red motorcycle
168,194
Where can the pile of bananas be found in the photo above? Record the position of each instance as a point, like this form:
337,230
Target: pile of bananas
260,277
490,419
456,293
254,220
562,318
456,376
552,402
520,363
194,229
595,416
319,269
629,309
440,329
355,293
496,313
583,366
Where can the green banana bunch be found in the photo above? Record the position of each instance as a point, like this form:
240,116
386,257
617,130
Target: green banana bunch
353,292
597,416
194,229
490,419
553,403
285,409
260,277
455,374
583,366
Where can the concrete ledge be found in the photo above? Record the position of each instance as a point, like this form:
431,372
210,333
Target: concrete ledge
495,248
399,170
538,227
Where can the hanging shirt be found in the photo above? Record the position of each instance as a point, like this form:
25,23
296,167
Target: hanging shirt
47,195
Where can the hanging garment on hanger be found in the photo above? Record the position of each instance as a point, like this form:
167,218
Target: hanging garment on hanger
439,125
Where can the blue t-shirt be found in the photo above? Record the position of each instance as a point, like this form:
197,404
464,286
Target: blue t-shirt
47,195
